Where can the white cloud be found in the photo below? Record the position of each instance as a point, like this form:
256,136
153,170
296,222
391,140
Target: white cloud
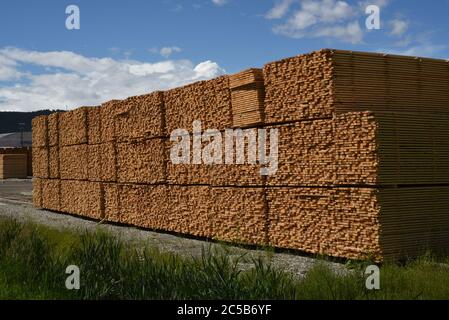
420,50
165,52
352,32
75,80
168,51
279,10
8,69
398,27
219,2
323,18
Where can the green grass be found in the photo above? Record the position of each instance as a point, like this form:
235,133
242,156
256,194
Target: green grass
33,260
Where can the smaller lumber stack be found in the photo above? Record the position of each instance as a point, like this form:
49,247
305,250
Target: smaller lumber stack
247,93
22,150
13,166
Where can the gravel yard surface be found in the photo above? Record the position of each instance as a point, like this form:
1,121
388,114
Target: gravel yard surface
15,201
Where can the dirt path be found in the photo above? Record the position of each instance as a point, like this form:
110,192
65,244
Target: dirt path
15,201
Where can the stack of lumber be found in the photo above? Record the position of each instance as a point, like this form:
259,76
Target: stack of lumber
144,206
206,101
413,220
13,166
363,161
247,94
306,154
239,215
142,162
21,150
40,147
384,148
329,82
142,117
196,172
84,198
299,88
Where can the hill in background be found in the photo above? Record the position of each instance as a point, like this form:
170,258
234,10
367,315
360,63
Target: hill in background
10,120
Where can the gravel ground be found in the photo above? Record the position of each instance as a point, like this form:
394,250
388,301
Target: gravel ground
15,201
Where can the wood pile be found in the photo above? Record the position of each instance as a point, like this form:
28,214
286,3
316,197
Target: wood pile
306,154
74,162
413,220
247,94
328,82
40,131
37,192
299,88
28,151
108,115
141,117
73,126
93,126
142,162
363,157
53,165
84,198
13,166
207,101
239,215
41,158
144,206
102,162
51,194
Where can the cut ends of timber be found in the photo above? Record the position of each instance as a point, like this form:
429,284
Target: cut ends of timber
362,149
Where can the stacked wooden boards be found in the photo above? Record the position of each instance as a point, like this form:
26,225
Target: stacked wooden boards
21,150
328,82
114,164
362,171
248,93
13,166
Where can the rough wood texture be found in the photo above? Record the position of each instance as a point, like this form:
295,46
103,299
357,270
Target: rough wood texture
144,206
102,162
142,162
74,162
40,131
94,125
239,215
207,101
51,194
327,82
73,126
53,129
141,117
53,165
41,162
82,198
108,113
37,192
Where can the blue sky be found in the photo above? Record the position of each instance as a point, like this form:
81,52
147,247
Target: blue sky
137,46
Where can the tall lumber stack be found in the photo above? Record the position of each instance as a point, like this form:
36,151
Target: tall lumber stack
363,143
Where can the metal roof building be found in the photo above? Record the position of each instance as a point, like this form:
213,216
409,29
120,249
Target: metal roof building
15,140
